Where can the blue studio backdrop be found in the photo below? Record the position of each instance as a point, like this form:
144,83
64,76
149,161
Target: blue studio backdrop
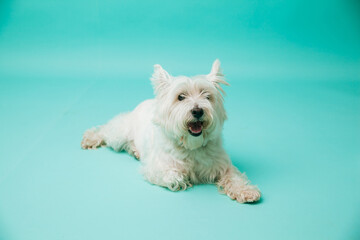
293,105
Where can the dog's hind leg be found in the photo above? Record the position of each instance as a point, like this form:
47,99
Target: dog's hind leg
92,139
117,134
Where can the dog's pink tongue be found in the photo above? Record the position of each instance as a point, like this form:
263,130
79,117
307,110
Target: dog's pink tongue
196,127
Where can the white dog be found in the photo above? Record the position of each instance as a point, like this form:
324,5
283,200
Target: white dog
177,135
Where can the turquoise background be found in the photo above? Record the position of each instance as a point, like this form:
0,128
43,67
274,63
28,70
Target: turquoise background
293,106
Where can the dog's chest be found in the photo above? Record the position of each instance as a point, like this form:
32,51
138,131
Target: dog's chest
199,163
204,164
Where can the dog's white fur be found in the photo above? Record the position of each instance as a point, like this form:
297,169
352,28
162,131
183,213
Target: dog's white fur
157,132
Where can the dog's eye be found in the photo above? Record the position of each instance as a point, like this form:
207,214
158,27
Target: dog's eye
181,97
205,94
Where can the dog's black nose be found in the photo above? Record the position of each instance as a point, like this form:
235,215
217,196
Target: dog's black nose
197,112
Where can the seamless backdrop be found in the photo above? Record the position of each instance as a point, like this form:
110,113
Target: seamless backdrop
293,107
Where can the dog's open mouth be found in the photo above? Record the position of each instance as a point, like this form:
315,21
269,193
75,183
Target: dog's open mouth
195,128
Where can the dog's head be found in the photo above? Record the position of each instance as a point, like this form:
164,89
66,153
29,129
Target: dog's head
190,110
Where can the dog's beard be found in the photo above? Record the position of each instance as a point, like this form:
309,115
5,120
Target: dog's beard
193,133
198,133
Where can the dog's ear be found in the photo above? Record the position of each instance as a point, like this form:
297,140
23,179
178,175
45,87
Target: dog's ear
160,79
216,76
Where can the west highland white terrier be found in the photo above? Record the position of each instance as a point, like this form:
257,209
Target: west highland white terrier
177,135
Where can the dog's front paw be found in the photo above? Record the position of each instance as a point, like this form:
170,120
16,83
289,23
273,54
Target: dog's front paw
176,181
92,139
247,193
179,185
